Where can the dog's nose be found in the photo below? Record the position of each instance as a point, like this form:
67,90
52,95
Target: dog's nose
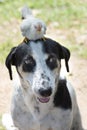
45,92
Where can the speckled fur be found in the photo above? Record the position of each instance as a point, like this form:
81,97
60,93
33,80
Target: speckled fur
26,110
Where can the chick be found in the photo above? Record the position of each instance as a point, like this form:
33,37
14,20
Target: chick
32,27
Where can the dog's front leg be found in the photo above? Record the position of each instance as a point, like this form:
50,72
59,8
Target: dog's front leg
13,128
8,122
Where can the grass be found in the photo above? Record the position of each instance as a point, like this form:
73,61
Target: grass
4,49
1,127
80,50
65,12
69,14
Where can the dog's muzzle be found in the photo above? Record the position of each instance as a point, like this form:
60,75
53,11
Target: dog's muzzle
45,94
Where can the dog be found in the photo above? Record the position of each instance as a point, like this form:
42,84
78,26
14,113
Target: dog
42,100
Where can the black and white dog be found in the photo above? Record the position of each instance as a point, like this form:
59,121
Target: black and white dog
42,100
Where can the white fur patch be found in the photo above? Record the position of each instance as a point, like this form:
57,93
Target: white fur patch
8,122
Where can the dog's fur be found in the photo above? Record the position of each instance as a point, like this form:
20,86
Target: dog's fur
42,100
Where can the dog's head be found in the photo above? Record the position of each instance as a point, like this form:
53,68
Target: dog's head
38,65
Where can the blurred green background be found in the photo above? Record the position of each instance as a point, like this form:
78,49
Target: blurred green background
67,16
70,17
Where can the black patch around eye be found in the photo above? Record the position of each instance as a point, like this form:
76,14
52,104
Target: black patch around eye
29,64
52,62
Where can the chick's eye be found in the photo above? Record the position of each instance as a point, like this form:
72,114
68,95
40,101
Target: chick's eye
52,62
29,64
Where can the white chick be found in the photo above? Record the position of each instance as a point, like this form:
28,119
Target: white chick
31,27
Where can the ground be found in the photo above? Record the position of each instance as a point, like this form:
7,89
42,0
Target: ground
77,76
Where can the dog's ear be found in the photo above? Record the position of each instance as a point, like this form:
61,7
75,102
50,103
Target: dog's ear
61,51
64,53
10,60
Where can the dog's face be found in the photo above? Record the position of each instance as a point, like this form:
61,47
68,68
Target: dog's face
38,65
39,71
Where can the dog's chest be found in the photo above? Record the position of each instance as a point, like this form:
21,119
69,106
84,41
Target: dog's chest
56,119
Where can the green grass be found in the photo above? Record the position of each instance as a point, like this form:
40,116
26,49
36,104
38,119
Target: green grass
5,49
80,50
69,14
65,12
1,127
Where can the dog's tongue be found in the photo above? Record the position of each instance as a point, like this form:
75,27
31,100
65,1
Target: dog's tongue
44,99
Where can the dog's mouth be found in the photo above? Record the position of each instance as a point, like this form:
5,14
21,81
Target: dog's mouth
43,99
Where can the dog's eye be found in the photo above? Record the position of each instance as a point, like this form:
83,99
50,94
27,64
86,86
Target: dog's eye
29,61
29,64
52,62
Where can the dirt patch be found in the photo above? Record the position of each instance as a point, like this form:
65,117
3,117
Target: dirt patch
78,78
10,31
5,90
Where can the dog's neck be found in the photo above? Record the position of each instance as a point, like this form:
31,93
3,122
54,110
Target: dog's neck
42,110
37,109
